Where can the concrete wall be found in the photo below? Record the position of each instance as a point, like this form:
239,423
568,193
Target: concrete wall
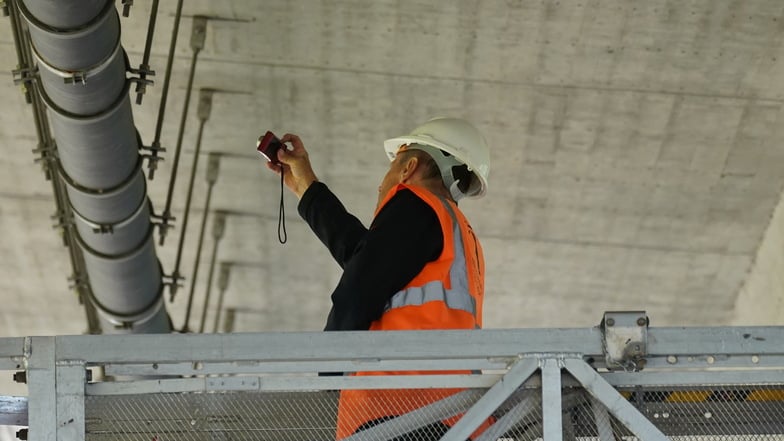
761,299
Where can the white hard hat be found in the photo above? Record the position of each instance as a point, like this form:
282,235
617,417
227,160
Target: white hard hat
458,138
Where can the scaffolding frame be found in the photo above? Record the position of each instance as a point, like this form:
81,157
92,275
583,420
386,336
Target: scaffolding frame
63,371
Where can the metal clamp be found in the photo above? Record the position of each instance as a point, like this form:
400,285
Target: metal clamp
142,71
152,158
24,77
63,220
198,32
24,74
173,283
141,81
47,157
218,225
213,167
77,281
108,227
205,104
625,339
162,221
79,77
126,4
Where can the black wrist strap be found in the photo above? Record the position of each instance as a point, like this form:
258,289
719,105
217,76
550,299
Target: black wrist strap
282,213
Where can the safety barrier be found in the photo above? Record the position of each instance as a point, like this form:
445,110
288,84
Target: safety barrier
619,380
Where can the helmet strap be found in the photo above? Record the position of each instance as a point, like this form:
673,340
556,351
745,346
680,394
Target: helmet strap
445,164
455,192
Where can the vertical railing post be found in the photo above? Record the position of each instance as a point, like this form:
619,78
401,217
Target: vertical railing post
551,400
42,408
70,380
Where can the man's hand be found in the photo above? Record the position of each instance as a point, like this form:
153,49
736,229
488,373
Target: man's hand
294,161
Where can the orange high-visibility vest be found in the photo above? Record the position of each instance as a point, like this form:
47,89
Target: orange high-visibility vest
446,294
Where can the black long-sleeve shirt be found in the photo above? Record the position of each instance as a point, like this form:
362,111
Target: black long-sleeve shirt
376,262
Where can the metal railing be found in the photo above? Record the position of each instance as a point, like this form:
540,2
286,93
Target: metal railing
619,380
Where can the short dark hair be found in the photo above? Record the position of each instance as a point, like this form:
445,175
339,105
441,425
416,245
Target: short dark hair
431,170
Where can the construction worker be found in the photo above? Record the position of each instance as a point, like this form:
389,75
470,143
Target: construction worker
419,266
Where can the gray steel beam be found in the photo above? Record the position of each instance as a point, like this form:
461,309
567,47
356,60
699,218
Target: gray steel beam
42,388
513,416
679,378
11,352
602,419
409,344
358,345
291,383
490,401
71,379
306,366
716,340
440,410
551,399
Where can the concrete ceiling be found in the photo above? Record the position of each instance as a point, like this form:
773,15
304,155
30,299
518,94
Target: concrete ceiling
637,150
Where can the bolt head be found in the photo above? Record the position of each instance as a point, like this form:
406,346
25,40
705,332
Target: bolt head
20,377
610,322
641,321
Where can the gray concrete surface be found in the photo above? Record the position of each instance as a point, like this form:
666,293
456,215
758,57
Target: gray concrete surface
638,151
761,299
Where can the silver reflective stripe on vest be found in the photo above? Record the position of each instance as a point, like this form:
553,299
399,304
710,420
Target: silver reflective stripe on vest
459,296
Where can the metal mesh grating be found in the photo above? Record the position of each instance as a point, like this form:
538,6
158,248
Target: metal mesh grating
709,413
699,413
424,413
212,416
727,413
695,413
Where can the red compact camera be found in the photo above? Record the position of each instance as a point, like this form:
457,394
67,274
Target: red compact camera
268,145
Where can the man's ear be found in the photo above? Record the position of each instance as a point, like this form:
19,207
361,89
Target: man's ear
409,168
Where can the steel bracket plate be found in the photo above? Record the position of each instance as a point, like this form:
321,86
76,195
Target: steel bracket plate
625,339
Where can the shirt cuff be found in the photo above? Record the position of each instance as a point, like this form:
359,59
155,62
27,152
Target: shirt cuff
311,194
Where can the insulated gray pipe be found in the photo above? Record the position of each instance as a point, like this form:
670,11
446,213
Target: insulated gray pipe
82,70
90,95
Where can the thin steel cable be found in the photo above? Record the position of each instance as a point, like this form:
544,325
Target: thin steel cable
197,260
178,149
214,256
